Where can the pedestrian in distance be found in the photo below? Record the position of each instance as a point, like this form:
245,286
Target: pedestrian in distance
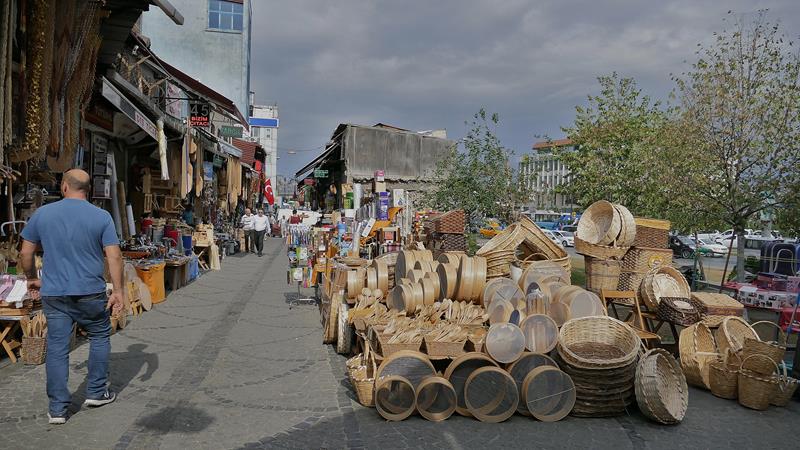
248,222
295,219
260,224
75,236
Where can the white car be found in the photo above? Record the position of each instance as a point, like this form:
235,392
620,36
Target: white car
566,238
552,236
713,249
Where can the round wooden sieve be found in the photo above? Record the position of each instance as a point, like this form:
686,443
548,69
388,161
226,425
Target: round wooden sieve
372,278
548,393
522,367
565,294
448,280
436,399
541,333
459,370
500,311
505,342
480,278
428,291
395,398
418,297
382,272
491,394
409,364
466,275
424,255
450,258
405,262
415,275
560,313
437,288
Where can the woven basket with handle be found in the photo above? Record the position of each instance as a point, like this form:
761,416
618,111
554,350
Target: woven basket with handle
361,370
723,376
756,390
697,351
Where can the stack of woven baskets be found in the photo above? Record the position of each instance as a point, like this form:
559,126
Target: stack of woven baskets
600,354
522,242
605,232
445,232
650,250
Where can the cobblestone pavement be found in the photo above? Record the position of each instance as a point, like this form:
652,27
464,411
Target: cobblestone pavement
227,363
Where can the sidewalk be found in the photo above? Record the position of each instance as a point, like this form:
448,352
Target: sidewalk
227,363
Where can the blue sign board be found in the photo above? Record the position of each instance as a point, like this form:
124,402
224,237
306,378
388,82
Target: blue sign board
259,122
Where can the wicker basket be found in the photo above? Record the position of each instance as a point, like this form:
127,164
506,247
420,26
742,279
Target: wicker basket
661,390
756,390
678,310
663,281
388,349
724,379
598,251
598,342
627,231
771,350
719,304
783,391
601,274
361,370
697,351
34,350
732,333
600,224
651,233
438,349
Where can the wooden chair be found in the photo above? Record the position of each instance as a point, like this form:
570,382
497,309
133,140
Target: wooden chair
634,318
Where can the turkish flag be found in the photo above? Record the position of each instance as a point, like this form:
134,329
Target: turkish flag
268,192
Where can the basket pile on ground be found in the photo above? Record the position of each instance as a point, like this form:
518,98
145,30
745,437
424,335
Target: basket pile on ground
523,241
600,354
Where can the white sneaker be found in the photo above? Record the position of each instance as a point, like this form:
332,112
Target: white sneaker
107,398
56,420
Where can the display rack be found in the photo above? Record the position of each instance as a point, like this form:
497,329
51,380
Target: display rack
300,252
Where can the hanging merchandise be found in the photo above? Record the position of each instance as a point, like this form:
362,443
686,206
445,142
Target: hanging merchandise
162,149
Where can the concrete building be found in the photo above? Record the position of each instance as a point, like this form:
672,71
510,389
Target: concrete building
213,45
543,173
264,130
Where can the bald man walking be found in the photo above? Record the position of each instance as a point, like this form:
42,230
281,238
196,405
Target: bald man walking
75,236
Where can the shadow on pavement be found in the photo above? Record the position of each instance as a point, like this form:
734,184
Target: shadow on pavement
176,419
123,367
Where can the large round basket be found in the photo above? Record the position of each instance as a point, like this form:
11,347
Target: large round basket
600,224
459,370
394,397
756,390
678,310
627,231
598,342
661,390
601,274
697,351
436,399
663,281
598,251
732,333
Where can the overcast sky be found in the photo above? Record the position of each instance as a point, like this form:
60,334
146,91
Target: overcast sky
429,64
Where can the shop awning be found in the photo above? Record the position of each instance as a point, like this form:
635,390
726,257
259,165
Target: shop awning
317,161
113,95
230,149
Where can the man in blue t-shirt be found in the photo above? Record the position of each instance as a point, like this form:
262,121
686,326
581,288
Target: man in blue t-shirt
74,235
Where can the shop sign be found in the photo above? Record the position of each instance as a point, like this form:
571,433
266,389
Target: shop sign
230,131
199,114
117,99
308,181
320,173
218,161
175,106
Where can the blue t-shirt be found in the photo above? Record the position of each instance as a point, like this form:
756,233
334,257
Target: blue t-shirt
73,234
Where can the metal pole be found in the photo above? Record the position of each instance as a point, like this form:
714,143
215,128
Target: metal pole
727,259
694,263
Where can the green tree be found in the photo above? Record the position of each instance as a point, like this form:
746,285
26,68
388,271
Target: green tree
615,135
477,176
733,145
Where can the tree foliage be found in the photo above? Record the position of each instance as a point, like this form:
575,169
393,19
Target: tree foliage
476,175
737,127
723,152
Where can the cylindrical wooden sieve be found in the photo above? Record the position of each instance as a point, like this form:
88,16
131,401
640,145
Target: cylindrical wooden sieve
459,370
395,398
491,394
436,399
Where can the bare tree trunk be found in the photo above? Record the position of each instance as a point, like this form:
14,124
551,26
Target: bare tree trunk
740,242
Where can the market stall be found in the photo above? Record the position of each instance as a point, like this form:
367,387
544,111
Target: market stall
512,334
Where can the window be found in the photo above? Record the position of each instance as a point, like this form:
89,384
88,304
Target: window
225,15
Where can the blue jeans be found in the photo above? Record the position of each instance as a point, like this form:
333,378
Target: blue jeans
89,311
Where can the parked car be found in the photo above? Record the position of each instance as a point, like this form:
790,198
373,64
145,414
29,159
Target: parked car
552,237
490,229
726,235
682,246
570,228
567,238
711,249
